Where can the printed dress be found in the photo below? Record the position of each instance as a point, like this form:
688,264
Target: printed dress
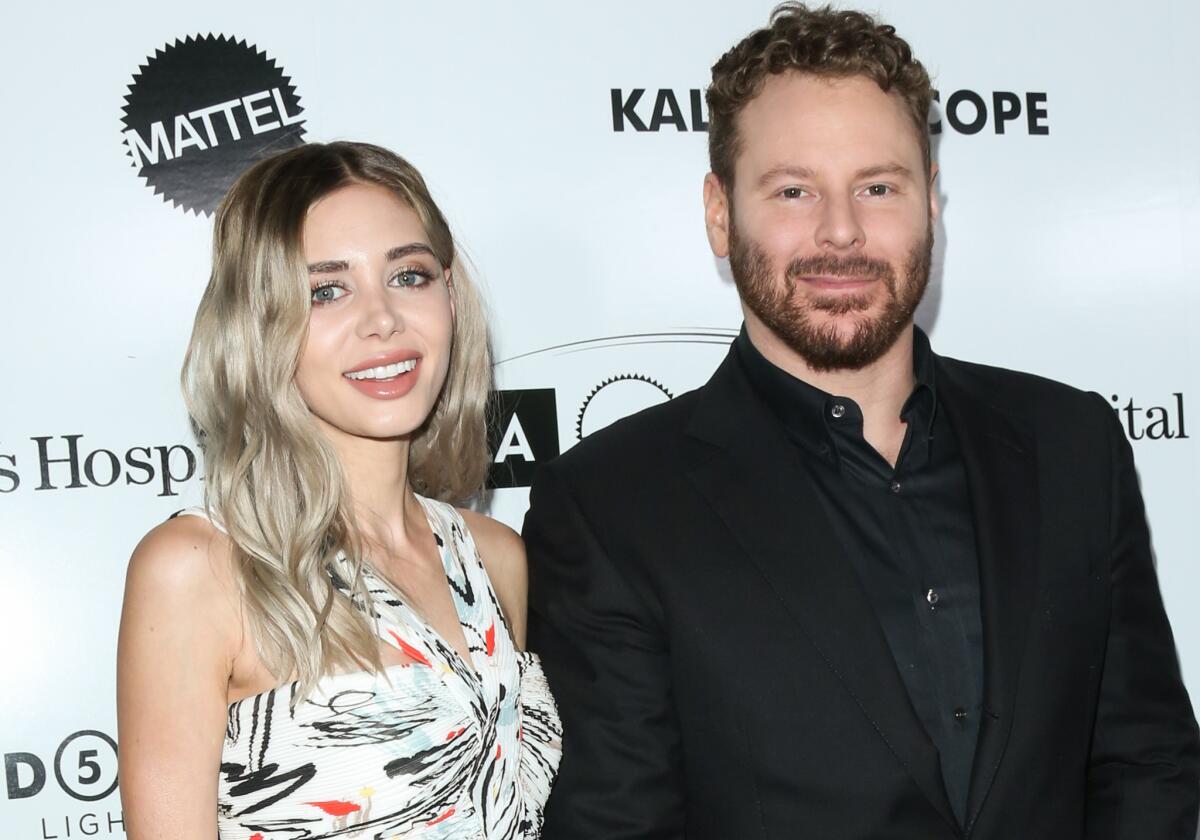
436,749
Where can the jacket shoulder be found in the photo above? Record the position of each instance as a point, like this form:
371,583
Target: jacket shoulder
1034,398
645,440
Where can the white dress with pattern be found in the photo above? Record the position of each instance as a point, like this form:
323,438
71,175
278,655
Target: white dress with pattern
437,749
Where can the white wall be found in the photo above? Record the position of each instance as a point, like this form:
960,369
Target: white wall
1073,254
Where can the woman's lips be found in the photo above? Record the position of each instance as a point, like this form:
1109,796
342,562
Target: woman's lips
387,381
392,357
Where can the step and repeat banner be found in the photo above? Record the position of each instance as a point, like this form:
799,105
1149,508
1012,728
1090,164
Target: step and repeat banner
566,143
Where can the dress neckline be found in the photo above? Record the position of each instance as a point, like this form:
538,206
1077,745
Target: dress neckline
400,626
436,643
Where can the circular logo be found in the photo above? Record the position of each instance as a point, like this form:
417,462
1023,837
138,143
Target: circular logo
86,765
618,397
200,111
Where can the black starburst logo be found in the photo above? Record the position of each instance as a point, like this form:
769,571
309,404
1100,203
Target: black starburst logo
200,111
606,403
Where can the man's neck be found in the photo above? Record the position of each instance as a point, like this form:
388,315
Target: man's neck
880,389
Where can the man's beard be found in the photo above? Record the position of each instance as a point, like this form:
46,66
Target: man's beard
821,347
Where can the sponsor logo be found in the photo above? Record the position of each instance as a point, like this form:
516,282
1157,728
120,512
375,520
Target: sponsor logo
84,767
963,112
65,462
522,432
200,111
607,378
970,112
617,397
1154,422
665,110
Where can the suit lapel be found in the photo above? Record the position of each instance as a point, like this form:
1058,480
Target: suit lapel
1001,465
755,483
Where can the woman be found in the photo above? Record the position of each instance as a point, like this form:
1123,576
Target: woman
329,649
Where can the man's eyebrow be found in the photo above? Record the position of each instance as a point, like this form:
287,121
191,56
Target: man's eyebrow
784,171
397,253
885,169
803,172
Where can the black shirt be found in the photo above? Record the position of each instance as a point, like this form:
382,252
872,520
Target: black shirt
909,533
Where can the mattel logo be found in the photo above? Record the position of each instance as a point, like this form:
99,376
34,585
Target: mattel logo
522,433
200,111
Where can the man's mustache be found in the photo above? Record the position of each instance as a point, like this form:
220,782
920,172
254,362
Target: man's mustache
832,266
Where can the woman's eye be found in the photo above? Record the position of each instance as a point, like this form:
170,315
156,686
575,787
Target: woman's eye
327,294
410,277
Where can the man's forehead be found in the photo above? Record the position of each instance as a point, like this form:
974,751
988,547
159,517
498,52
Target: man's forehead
794,96
806,121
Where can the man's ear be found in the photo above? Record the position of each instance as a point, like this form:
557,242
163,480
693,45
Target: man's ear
716,215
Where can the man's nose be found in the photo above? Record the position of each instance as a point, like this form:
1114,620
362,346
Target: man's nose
839,227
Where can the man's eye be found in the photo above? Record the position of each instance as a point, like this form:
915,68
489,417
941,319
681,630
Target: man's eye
792,192
411,277
878,190
327,294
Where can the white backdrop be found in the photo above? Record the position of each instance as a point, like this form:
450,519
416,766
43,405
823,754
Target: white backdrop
1071,253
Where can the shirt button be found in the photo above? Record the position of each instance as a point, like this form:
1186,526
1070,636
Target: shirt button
960,714
932,597
895,486
837,411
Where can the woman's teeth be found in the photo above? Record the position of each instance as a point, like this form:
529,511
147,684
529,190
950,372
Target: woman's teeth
383,371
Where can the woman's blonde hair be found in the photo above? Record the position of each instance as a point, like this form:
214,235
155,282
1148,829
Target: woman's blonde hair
272,480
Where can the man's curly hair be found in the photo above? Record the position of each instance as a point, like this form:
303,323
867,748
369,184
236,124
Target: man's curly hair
822,42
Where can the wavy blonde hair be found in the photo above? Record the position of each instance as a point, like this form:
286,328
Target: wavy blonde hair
271,478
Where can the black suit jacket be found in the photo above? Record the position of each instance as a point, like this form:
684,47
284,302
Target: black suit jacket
721,674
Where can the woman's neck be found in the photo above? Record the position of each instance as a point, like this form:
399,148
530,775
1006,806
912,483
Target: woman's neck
376,474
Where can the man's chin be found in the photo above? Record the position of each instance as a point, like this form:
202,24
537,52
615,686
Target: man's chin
840,328
819,305
848,341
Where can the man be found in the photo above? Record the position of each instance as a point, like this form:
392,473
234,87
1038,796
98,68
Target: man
849,588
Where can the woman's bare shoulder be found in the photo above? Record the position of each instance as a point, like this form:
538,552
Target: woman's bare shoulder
503,554
183,546
178,638
494,537
185,558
